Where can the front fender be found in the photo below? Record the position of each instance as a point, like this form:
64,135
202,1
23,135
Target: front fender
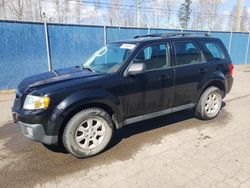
78,99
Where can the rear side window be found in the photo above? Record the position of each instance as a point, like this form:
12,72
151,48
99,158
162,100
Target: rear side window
187,53
214,48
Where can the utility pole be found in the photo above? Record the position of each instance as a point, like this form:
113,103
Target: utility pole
138,13
238,15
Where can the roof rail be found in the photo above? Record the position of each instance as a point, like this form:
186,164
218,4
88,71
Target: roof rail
165,35
150,35
184,34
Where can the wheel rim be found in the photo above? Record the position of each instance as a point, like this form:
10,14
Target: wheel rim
90,133
213,104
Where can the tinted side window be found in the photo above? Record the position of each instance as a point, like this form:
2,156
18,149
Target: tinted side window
215,50
154,56
187,53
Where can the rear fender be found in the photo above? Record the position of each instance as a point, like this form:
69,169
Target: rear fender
216,77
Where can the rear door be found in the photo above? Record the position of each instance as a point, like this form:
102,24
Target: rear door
191,69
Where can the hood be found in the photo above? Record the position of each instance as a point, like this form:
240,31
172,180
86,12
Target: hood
54,77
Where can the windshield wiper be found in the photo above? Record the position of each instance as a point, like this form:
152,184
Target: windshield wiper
87,68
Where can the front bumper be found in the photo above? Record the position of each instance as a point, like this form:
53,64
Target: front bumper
36,132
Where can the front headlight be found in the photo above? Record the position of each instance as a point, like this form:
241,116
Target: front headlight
35,102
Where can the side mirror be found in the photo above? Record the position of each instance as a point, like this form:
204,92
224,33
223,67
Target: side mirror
136,68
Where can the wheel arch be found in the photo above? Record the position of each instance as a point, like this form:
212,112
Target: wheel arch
217,83
107,108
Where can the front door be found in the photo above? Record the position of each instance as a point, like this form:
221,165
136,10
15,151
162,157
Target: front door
152,90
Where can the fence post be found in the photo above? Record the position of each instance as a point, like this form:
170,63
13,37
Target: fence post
247,50
47,45
230,42
105,35
149,31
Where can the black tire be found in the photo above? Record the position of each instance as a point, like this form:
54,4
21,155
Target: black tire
80,123
202,108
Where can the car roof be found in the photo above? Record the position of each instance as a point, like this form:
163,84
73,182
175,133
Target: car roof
165,37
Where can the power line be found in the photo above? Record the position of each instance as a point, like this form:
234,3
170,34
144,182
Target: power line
133,7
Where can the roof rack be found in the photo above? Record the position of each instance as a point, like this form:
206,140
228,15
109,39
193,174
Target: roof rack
165,35
185,34
150,35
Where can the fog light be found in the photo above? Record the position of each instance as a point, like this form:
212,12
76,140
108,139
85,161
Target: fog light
29,131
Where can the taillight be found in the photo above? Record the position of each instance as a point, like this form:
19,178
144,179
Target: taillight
230,69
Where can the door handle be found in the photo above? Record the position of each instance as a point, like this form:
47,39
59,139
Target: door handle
202,71
164,78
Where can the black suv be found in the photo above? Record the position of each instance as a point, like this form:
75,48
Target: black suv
122,83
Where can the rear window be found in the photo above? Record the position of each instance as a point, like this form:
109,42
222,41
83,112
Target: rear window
215,50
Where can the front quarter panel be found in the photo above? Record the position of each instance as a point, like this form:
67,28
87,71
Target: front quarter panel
81,98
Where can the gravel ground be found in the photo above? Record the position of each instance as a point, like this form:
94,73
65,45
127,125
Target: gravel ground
172,151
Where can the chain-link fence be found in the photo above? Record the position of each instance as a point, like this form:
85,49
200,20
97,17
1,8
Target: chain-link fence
23,50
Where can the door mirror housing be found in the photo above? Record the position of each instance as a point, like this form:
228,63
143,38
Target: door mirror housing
136,68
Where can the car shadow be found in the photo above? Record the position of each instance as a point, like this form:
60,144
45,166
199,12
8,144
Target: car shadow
138,128
149,125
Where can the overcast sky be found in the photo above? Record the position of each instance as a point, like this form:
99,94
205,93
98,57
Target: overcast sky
99,17
227,5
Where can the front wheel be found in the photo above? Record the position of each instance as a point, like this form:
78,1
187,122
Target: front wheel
210,103
88,132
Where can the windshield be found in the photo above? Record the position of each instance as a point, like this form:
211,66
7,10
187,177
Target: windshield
109,58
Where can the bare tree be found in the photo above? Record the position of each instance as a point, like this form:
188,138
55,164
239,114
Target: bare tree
169,7
198,18
38,10
245,21
156,14
97,9
213,8
232,21
65,10
29,11
58,10
78,11
3,9
150,17
129,18
206,16
114,17
16,7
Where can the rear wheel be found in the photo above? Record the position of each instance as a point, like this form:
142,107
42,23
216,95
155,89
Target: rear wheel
210,103
88,132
